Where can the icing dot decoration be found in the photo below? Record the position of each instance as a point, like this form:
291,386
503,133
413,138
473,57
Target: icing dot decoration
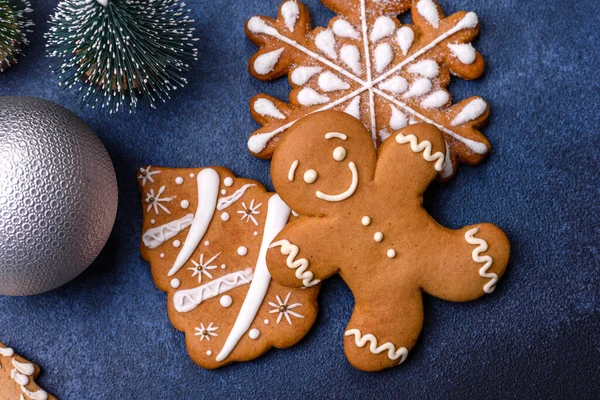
179,180
226,301
310,176
391,253
152,221
223,266
175,283
228,181
254,333
266,322
192,175
225,217
339,154
378,236
255,233
176,243
242,250
366,220
184,204
223,192
208,353
162,255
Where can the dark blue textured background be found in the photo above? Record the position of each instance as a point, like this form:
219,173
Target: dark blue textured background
106,335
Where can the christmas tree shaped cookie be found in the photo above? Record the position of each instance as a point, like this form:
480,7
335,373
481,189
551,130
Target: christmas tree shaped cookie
17,378
205,234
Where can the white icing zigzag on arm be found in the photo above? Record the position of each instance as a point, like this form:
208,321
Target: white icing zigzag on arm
425,146
361,341
155,237
477,257
187,300
225,202
301,265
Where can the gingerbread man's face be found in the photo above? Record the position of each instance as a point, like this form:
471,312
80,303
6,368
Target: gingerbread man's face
326,166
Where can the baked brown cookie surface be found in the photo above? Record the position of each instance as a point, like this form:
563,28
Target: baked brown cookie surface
17,378
361,216
205,234
369,64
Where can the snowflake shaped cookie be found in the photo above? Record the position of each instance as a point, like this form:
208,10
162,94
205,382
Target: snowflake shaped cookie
373,67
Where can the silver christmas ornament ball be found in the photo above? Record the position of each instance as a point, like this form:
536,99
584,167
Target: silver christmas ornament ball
58,196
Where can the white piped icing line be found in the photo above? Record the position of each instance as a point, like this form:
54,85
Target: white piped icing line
21,374
397,120
405,38
208,190
354,108
329,82
465,53
428,10
478,258
267,108
310,97
425,68
292,171
435,99
326,43
7,352
187,300
155,237
290,12
350,56
300,265
392,353
384,26
343,28
277,216
396,85
344,195
227,201
336,135
473,110
265,63
301,75
425,147
383,56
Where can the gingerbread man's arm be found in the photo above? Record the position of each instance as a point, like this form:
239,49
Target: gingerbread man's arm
466,264
302,253
409,160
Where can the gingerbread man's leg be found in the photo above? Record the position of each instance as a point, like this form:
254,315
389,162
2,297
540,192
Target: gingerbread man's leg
383,329
466,263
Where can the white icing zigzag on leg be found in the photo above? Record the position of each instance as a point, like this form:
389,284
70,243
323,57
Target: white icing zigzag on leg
477,257
361,341
426,147
301,265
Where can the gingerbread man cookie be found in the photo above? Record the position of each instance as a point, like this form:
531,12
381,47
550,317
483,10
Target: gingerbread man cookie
17,378
361,216
205,234
369,64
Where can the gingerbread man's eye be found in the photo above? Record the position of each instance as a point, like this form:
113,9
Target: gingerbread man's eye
339,153
310,176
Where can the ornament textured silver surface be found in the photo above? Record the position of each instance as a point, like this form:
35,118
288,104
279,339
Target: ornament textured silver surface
58,196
